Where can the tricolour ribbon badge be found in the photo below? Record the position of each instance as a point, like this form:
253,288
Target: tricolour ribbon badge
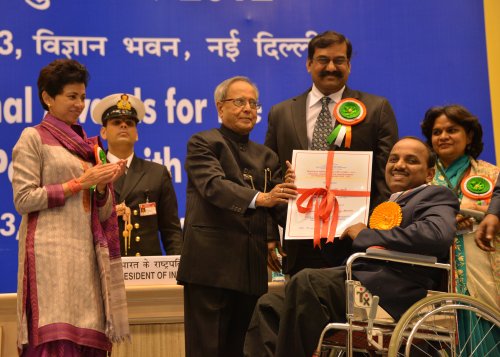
348,112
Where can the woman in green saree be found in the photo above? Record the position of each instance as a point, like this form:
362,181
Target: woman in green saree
456,137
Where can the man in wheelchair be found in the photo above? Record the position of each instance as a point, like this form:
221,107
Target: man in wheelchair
291,325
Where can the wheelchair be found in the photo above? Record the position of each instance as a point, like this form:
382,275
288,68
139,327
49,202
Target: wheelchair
432,326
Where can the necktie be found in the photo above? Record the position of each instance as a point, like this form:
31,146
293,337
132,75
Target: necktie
323,127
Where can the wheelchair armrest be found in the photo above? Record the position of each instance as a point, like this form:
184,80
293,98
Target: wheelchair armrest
397,257
410,257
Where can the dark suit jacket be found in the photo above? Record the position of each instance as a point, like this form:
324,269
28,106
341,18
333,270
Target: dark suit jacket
152,181
494,207
225,242
378,132
428,227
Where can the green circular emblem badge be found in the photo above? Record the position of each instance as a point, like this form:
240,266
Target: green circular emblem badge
478,185
350,110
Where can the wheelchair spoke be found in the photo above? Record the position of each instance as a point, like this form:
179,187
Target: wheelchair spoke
447,325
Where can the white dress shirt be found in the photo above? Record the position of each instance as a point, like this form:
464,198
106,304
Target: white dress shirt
112,159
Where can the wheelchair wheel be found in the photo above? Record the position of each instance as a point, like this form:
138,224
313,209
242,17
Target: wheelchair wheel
447,325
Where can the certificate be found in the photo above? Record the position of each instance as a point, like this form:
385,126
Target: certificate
334,193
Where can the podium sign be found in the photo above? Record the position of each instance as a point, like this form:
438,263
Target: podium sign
150,270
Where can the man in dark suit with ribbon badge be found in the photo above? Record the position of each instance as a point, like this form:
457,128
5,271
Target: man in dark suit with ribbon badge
360,122
145,197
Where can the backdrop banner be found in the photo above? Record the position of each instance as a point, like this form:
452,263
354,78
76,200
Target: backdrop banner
172,54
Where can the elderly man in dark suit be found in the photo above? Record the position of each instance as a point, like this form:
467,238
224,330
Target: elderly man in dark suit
233,187
314,297
360,122
145,195
490,225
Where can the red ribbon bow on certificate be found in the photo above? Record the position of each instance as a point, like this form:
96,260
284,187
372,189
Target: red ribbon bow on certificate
324,226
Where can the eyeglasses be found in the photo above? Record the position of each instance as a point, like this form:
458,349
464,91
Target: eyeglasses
324,61
241,102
